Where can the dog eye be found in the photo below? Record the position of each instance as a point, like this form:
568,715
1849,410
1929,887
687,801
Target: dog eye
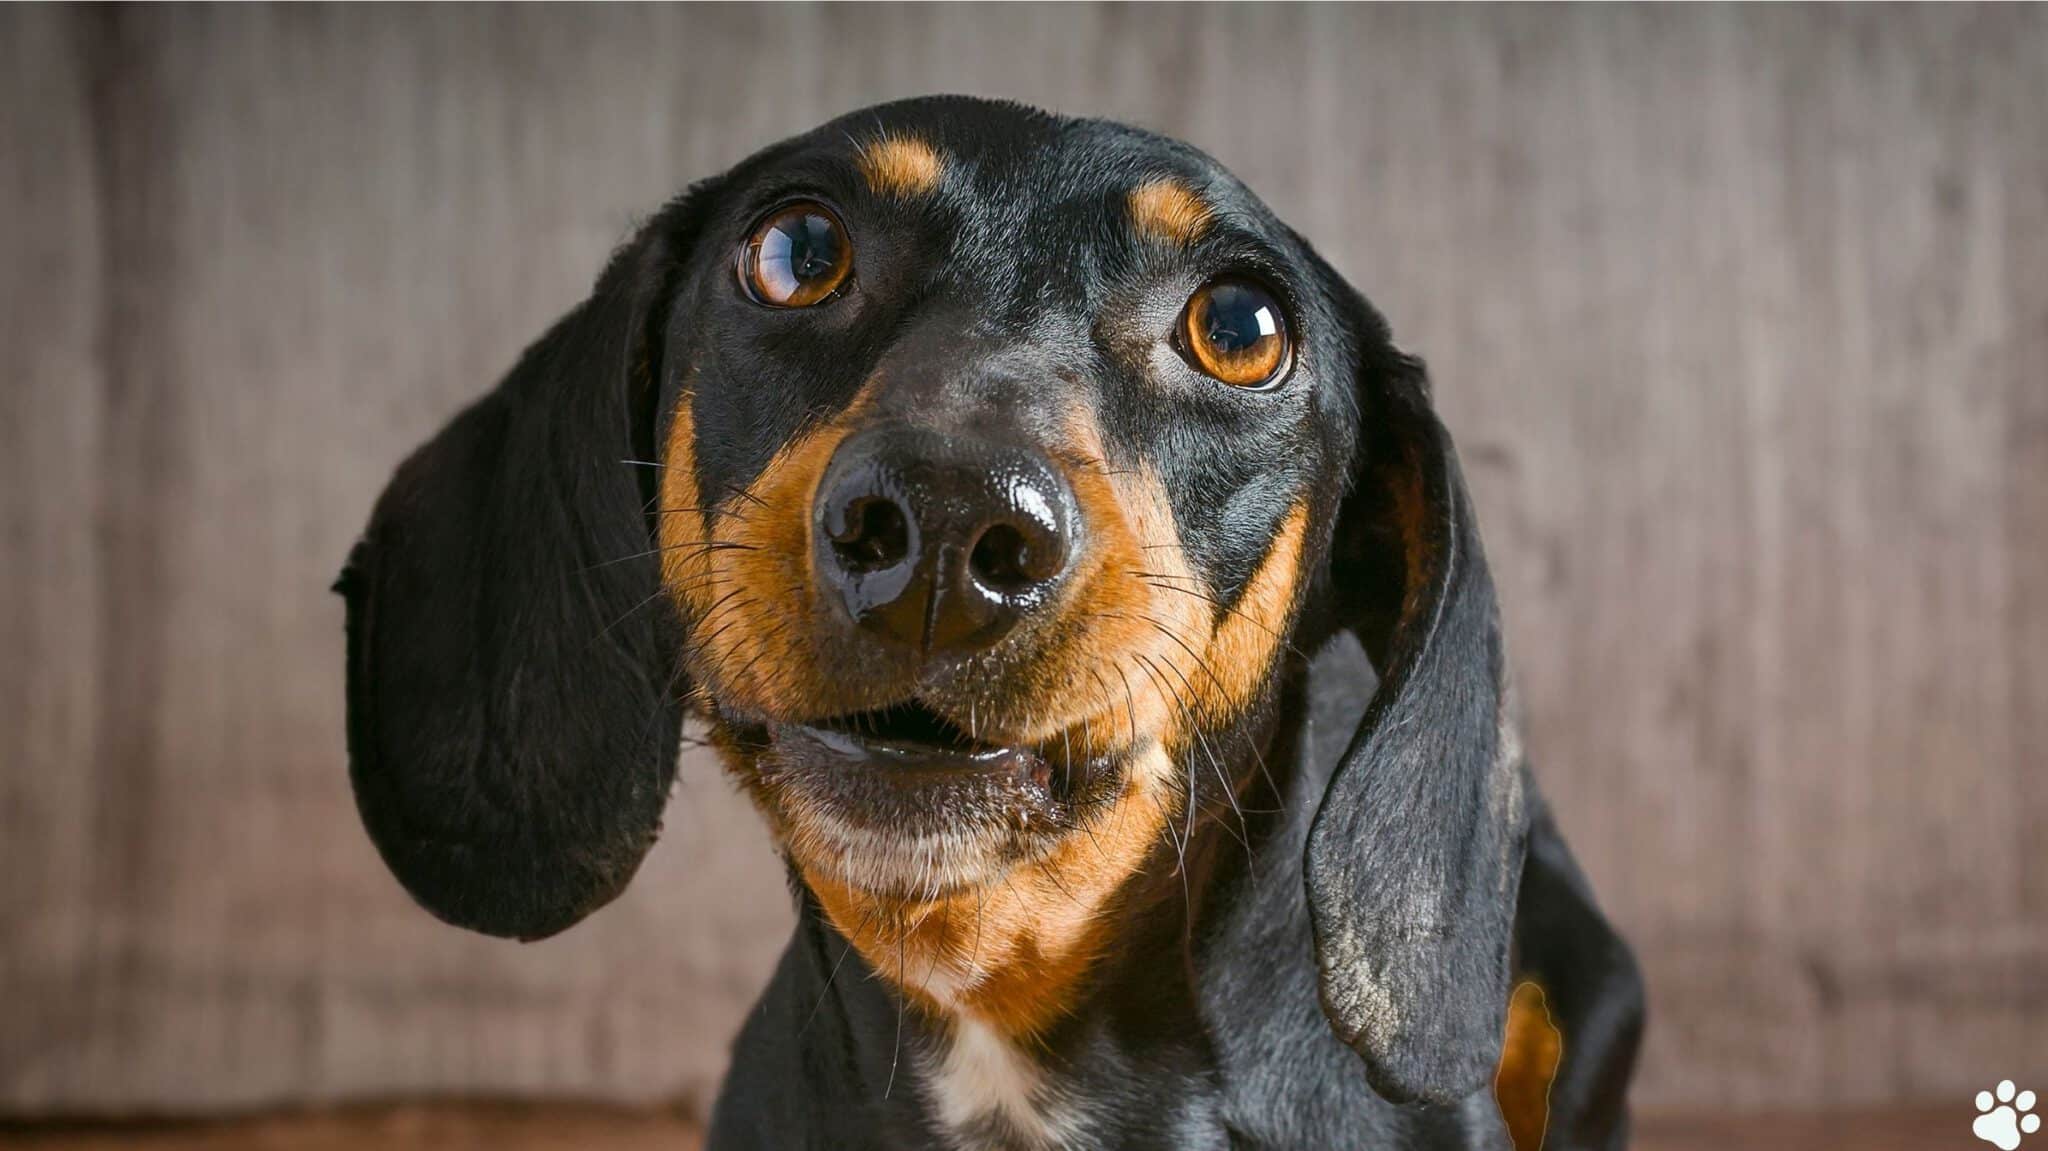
797,257
1233,330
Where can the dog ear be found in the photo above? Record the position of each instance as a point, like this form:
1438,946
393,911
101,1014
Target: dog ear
513,664
1414,857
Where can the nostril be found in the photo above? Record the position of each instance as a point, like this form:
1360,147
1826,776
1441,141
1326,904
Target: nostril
1006,560
874,535
939,544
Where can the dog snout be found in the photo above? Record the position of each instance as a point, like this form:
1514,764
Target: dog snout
940,542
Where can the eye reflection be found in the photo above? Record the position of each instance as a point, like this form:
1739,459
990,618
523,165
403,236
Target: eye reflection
1233,330
797,257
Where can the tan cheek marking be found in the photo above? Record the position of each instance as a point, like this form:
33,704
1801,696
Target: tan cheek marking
1530,1054
901,166
1168,210
1135,612
1147,622
1241,652
682,515
745,582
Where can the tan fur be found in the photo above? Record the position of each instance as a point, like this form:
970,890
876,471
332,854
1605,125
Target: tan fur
901,166
1243,646
1168,210
1144,654
1012,953
745,583
682,529
1529,1058
1134,609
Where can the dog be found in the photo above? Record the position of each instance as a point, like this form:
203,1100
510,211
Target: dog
1065,561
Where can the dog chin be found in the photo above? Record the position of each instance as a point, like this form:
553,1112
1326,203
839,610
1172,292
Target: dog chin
916,821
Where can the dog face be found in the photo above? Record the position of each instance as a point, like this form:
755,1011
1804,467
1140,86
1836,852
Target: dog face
987,482
985,502
969,472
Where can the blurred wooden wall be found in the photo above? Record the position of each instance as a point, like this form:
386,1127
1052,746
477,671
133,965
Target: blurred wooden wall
1741,318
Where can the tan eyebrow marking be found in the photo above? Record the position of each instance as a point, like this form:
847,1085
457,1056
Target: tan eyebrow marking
901,166
1166,209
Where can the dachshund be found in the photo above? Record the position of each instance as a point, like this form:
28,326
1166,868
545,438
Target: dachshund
1065,561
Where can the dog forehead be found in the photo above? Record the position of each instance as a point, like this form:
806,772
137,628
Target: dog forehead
1038,187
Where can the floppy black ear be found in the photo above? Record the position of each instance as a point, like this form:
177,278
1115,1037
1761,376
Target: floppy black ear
1414,858
513,677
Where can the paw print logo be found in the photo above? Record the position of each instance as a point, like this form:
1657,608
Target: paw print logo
2006,1122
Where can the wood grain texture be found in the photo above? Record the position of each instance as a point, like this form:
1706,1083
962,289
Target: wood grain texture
1740,316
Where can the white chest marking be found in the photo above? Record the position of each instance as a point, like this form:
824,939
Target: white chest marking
983,1076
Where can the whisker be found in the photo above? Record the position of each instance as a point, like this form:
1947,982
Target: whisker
945,926
1052,873
746,495
902,1001
1168,632
1181,853
1227,609
1229,791
1130,702
702,582
704,548
1088,743
762,643
1166,690
709,639
712,546
628,614
1067,759
702,509
826,990
721,601
974,957
1142,574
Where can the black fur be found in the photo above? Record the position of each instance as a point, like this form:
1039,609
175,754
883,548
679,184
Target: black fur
1330,969
512,715
1414,858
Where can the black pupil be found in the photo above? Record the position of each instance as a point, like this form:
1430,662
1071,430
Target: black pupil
813,247
1239,317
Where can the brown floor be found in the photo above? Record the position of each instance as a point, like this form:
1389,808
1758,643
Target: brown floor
519,1127
406,1127
1901,1129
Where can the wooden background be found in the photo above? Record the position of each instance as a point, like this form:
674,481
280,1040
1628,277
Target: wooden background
1741,317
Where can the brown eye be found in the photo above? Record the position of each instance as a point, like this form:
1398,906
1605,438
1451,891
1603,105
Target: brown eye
797,257
1233,330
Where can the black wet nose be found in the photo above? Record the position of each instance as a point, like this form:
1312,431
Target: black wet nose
941,542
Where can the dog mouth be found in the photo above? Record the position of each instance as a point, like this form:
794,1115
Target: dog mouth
912,747
889,796
908,730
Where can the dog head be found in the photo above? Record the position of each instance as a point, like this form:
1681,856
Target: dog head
969,472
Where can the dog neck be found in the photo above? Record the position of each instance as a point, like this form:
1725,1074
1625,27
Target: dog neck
1206,945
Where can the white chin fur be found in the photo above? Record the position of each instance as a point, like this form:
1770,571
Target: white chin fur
926,864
